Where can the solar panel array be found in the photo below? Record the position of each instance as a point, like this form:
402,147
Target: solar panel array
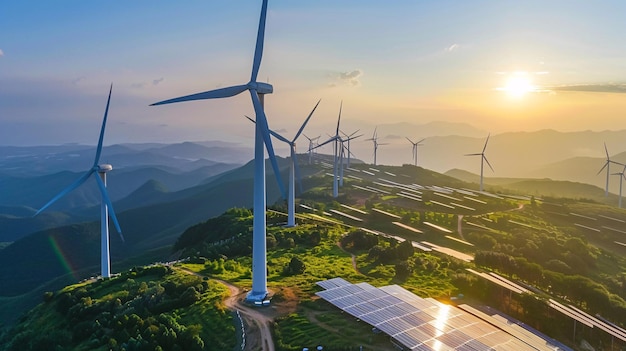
426,324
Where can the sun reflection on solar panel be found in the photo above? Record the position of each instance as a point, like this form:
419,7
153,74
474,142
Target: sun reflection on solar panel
441,320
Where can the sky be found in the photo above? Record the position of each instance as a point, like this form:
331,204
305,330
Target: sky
496,65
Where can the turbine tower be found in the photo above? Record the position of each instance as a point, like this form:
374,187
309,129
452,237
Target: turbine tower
262,137
483,159
607,165
293,168
101,170
415,146
621,177
337,140
374,138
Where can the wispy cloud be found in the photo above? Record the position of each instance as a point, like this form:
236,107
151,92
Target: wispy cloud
453,47
137,85
592,88
157,81
350,78
78,80
1,53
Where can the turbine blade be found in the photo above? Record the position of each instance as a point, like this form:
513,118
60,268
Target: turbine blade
488,164
267,140
211,94
607,151
324,143
107,200
306,121
486,141
473,155
280,137
260,37
273,133
410,141
418,143
104,123
606,164
339,118
65,191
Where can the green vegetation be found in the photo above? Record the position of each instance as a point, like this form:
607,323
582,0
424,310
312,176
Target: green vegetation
152,308
560,247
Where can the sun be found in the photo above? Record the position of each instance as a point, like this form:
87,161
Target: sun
518,84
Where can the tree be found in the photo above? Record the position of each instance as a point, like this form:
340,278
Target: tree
295,266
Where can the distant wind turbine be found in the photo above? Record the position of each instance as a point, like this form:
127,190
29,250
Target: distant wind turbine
101,170
312,144
347,141
374,138
262,136
293,168
415,146
621,177
337,140
483,159
607,165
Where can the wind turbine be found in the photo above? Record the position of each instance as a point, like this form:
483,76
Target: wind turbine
415,146
337,139
483,159
312,142
101,180
374,138
347,140
621,177
262,136
293,168
607,165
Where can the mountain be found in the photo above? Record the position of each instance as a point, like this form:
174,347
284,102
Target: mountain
151,219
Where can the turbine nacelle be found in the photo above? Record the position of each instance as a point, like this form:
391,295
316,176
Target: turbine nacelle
261,88
103,168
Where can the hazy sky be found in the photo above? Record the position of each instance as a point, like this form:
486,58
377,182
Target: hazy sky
498,65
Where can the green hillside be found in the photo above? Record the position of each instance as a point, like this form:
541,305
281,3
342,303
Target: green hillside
389,225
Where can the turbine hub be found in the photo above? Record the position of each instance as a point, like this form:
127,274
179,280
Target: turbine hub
261,88
103,168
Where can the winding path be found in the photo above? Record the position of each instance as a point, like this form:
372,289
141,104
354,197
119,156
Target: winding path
259,334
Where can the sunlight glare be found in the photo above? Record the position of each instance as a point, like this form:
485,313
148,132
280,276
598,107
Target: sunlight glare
518,84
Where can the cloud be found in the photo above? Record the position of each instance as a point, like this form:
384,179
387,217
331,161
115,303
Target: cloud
137,85
77,80
350,78
1,53
281,131
157,81
453,47
592,88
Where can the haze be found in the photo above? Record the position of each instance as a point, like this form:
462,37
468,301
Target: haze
498,66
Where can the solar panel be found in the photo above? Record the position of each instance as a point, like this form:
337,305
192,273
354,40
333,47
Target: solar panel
427,324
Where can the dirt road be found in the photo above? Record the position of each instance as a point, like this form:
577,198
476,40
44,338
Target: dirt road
258,324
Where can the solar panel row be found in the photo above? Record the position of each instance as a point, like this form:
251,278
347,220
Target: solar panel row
424,324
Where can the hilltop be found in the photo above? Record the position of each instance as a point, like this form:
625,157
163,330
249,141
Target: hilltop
549,243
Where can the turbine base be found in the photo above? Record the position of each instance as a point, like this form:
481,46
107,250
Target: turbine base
257,298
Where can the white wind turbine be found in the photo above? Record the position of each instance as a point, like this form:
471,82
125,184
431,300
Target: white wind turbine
262,136
293,169
101,170
607,165
347,141
337,140
312,144
415,146
374,138
483,159
621,177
